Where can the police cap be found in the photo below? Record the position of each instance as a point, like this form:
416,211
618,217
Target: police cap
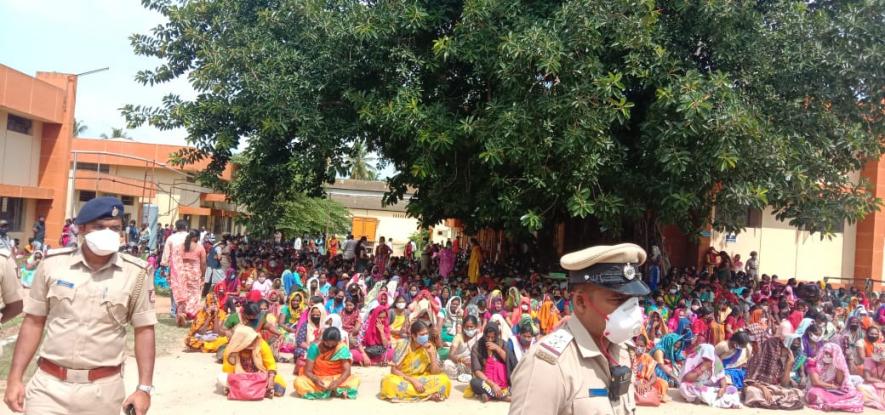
100,208
611,266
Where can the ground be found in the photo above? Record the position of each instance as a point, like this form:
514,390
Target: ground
186,385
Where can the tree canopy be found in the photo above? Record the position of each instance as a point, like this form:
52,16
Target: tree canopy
519,114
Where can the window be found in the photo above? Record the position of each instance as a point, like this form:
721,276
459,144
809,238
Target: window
101,168
86,195
19,124
128,200
751,218
12,209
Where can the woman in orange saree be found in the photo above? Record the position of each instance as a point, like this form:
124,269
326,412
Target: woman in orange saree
327,373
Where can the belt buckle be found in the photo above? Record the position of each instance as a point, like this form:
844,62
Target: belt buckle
77,376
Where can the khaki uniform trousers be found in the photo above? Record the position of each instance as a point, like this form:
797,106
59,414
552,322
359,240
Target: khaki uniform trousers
49,395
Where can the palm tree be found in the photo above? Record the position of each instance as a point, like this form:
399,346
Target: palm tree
117,133
361,163
79,127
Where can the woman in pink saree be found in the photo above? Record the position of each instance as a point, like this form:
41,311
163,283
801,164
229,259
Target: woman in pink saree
189,263
829,385
446,260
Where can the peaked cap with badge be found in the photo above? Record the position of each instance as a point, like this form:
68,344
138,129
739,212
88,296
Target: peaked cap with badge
100,208
615,267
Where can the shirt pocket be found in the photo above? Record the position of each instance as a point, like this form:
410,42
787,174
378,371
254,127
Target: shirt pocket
60,294
597,405
117,307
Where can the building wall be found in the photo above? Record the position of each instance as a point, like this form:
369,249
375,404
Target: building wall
394,225
789,252
19,153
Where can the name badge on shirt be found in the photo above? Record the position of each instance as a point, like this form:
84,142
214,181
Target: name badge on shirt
64,283
598,392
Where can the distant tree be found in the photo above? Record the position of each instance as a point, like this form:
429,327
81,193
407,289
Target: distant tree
117,133
361,163
79,127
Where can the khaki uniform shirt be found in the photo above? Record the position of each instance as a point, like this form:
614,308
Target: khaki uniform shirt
9,283
565,374
86,310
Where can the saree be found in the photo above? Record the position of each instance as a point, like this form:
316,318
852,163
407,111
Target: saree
473,265
328,367
203,334
413,363
644,368
247,352
705,387
846,398
672,356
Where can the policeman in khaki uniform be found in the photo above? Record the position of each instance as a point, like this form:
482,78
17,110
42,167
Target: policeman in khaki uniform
83,298
10,297
584,367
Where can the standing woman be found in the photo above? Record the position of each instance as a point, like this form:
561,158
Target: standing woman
193,266
475,261
382,255
446,260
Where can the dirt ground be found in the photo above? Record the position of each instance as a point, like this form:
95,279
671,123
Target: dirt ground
185,384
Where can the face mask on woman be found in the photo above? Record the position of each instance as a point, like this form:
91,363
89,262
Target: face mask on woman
422,340
400,306
315,320
470,332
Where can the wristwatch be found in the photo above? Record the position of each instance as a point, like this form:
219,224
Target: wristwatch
146,389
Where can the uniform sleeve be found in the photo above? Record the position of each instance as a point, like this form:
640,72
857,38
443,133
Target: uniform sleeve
143,311
537,388
9,285
36,303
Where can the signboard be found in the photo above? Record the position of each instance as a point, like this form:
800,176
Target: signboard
731,238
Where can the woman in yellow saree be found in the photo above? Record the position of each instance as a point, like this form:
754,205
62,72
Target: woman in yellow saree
327,372
416,374
475,261
205,334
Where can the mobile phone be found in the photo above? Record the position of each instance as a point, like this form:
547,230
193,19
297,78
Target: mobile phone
130,409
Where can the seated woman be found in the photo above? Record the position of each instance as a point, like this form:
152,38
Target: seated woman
327,372
734,354
518,345
205,334
416,374
644,370
247,352
308,333
458,365
704,380
873,388
767,382
376,339
668,356
399,319
290,317
452,316
491,379
829,386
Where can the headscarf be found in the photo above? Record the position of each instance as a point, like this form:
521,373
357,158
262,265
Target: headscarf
351,319
828,371
220,291
517,313
756,316
495,302
514,298
704,352
315,331
273,303
290,315
372,337
310,291
423,306
453,318
506,330
334,320
799,333
667,345
243,338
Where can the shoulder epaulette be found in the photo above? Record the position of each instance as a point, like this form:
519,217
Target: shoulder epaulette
59,251
552,346
134,260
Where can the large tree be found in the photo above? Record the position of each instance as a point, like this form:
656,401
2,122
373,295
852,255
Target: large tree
520,114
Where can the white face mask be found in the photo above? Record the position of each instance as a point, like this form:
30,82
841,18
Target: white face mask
625,322
827,359
816,338
470,332
104,242
400,305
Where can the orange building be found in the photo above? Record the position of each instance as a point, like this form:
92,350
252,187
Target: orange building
38,153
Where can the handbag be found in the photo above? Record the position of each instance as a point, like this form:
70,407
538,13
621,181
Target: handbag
376,350
246,386
646,395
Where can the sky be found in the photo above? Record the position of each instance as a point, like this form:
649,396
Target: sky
75,36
